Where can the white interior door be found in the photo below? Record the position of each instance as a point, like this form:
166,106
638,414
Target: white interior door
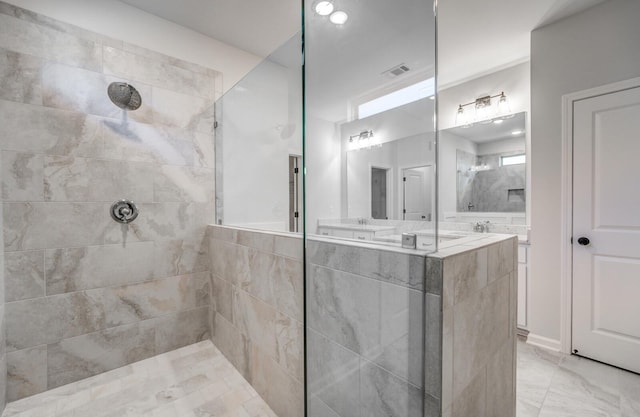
606,211
416,196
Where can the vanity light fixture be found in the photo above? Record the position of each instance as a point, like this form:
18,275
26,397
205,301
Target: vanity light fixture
485,112
364,135
324,8
339,17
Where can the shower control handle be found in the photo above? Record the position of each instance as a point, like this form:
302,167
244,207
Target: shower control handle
124,211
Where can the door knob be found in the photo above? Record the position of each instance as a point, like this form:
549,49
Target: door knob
583,241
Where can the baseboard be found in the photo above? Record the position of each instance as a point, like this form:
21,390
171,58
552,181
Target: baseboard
544,342
524,333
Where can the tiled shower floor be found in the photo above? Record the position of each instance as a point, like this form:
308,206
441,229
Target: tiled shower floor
198,381
194,381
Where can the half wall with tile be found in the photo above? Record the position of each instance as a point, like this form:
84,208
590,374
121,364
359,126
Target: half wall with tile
3,343
85,294
403,333
479,296
257,315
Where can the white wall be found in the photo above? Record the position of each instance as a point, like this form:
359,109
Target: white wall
501,146
323,175
121,21
596,47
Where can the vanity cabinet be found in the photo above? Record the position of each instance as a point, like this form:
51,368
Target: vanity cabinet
364,233
523,278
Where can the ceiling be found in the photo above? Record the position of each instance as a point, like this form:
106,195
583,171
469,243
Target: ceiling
256,26
474,37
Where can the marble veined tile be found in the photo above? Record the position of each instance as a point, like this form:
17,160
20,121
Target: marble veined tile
284,394
176,183
24,275
80,357
290,345
334,256
77,179
182,110
333,375
76,89
163,221
90,267
129,140
383,394
480,327
30,226
22,176
401,269
256,320
344,307
50,319
40,41
464,275
500,259
204,150
26,372
182,328
20,77
37,129
160,74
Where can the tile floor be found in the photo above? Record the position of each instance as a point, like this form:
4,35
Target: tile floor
557,385
198,381
194,381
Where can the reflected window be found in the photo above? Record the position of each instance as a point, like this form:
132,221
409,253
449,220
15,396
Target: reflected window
513,160
406,95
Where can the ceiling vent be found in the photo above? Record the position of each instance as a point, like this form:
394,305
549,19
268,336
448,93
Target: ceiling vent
396,71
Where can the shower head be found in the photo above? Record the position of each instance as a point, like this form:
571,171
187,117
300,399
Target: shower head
124,96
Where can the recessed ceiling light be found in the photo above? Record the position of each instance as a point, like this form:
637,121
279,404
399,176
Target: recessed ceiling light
324,8
517,132
498,121
339,18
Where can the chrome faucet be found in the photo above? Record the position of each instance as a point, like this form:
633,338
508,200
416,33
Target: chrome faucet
482,227
470,206
362,220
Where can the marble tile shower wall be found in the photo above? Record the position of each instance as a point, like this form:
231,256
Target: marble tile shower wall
3,344
366,319
85,294
478,327
258,311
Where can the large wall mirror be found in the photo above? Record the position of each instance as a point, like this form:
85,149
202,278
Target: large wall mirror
392,181
487,165
491,165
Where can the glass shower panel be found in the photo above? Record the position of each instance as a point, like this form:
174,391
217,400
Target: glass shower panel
258,134
370,163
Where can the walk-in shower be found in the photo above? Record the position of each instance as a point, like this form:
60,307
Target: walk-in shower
272,248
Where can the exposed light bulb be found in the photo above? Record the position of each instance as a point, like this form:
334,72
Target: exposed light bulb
324,8
503,105
339,17
461,117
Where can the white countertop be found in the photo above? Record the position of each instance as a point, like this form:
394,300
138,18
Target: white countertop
358,227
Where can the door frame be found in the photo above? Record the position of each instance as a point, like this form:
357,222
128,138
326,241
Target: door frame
390,188
566,192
